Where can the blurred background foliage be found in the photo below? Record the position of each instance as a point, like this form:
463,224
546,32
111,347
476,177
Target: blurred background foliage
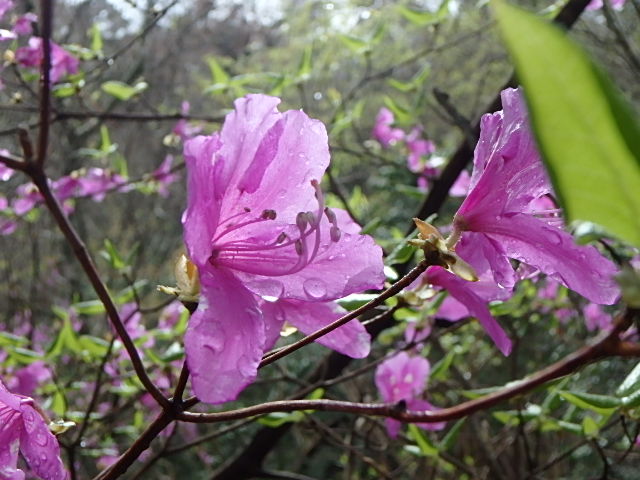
339,61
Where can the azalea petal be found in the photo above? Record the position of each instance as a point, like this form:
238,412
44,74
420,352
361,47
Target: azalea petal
554,252
489,260
351,339
352,264
200,217
419,405
508,173
40,447
402,377
393,427
274,317
275,160
225,338
10,428
463,291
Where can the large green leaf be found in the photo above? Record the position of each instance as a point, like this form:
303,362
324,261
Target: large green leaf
589,138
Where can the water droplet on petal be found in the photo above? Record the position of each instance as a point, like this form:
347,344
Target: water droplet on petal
315,288
269,288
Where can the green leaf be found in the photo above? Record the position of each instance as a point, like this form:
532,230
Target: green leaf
66,340
356,300
630,384
96,39
93,346
63,90
603,404
90,307
590,427
121,90
304,68
423,18
276,419
440,369
427,447
450,438
355,44
588,136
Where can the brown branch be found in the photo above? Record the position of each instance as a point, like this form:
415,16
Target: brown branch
606,345
140,445
14,163
82,254
46,16
379,300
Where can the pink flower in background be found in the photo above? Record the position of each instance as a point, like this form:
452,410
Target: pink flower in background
26,379
382,130
183,128
5,172
23,24
598,4
266,248
5,6
164,176
403,378
498,219
595,318
62,62
419,148
460,187
23,430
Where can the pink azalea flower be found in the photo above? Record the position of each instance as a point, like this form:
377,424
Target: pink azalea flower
5,172
403,378
5,6
460,187
472,297
23,430
163,176
497,217
382,130
23,24
257,229
596,319
598,4
27,379
419,148
62,62
183,128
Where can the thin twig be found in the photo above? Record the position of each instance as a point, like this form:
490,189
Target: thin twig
46,19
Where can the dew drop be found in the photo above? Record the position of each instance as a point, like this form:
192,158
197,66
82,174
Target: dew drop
269,288
41,439
315,288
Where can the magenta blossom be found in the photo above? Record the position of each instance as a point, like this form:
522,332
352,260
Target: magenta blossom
164,176
595,318
62,62
5,6
418,149
183,128
24,430
598,4
266,248
27,379
403,378
23,24
382,130
497,217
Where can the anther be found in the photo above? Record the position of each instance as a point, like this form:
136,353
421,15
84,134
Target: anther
268,214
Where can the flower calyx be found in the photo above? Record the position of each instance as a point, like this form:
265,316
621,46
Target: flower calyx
441,252
187,287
